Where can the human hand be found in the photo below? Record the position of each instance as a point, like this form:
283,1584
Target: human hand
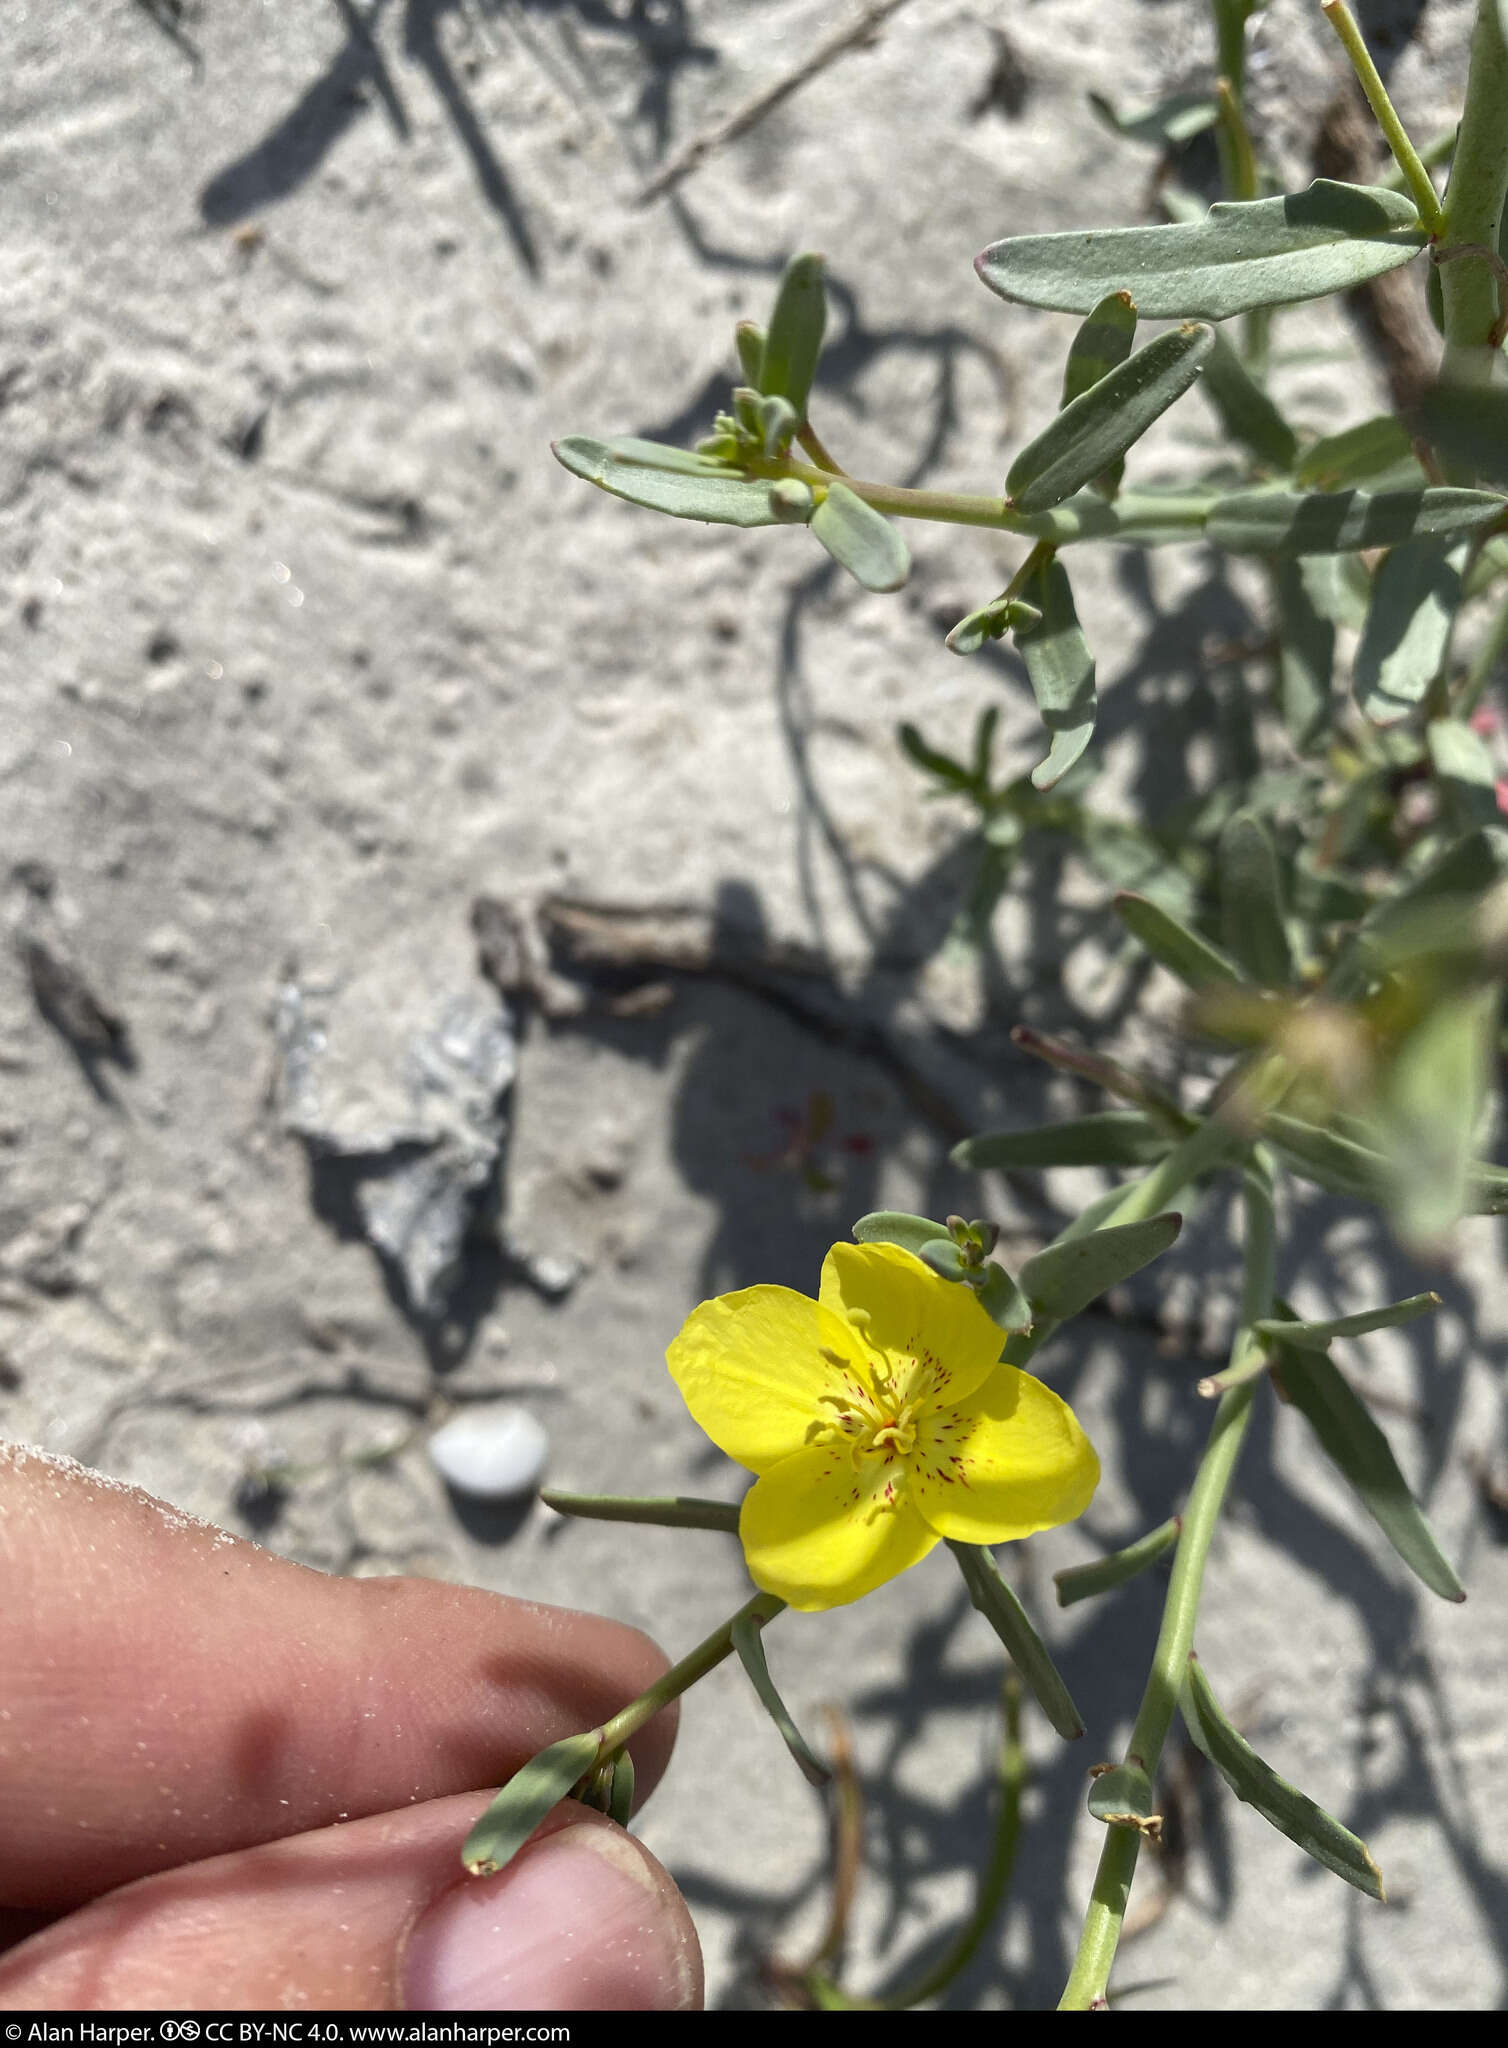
227,1781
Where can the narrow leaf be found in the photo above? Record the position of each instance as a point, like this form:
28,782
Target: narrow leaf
1338,586
1246,412
1243,254
524,1801
1365,1458
1083,1581
1008,1618
705,492
1060,668
1355,456
1343,522
1429,1108
860,540
1335,1162
1100,346
621,1793
1110,1137
1168,125
1306,660
668,1511
1067,1276
1316,1832
749,1643
1095,429
748,338
1251,902
1416,591
1172,944
943,767
793,340
1316,1336
1002,1300
894,1226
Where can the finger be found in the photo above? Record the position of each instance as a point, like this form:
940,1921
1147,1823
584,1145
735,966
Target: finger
374,1916
172,1692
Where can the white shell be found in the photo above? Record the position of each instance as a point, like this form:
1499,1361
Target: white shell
491,1453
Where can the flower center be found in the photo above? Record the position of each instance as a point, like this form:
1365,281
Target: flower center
876,1411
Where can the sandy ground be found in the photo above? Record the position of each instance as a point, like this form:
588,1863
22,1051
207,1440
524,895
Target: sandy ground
306,644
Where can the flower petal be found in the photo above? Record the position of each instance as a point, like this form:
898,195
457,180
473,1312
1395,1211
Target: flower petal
817,1531
750,1369
913,1311
1004,1463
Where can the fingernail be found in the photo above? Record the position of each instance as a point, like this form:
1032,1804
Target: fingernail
583,1921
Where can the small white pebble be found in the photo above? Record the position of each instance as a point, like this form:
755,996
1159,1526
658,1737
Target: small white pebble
491,1453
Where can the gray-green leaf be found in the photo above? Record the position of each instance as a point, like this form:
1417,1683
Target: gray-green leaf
523,1802
1068,1275
1171,122
1356,455
1306,659
1060,668
1095,429
1002,1300
1429,1107
1416,591
1365,1458
1317,1336
1100,346
894,1226
1246,412
1008,1618
1344,522
1251,902
1316,1832
1083,1581
1243,254
748,1641
1173,944
860,539
1123,1798
793,339
1109,1137
692,489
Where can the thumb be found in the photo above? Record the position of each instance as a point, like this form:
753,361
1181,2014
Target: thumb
375,1916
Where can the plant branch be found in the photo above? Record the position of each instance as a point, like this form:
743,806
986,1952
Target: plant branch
1407,158
1474,201
681,1677
1087,1985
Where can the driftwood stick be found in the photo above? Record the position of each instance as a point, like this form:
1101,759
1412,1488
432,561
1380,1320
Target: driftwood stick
694,153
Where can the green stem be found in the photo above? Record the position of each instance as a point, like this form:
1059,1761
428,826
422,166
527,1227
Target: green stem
1474,200
1343,21
681,1677
1238,163
1090,1978
1084,517
665,1511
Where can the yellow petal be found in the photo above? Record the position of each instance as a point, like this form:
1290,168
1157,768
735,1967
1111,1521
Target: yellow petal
1004,1463
818,1532
750,1369
914,1312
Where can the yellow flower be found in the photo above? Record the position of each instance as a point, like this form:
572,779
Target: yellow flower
879,1419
